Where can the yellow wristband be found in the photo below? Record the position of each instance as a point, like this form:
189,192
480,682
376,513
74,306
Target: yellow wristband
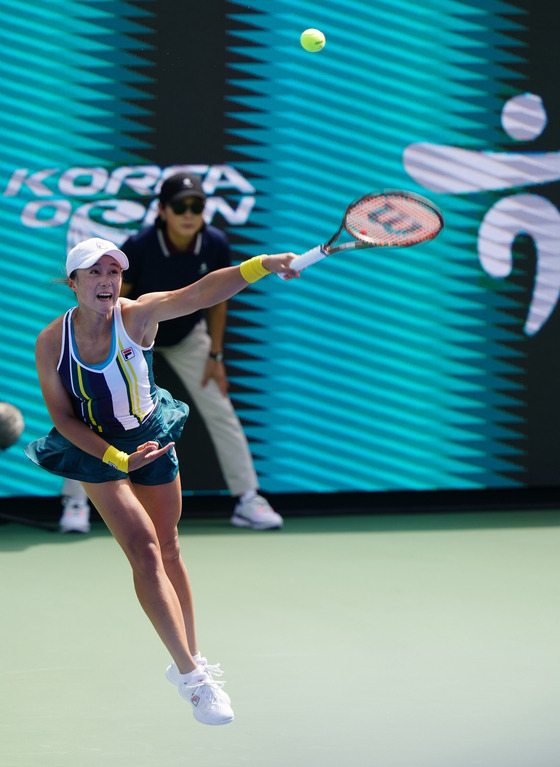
252,270
116,458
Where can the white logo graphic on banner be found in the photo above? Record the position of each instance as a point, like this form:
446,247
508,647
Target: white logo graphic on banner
112,215
451,170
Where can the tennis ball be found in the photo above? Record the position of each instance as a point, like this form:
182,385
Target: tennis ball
11,425
312,40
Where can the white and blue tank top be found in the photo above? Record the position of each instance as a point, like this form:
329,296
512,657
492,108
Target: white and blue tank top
116,395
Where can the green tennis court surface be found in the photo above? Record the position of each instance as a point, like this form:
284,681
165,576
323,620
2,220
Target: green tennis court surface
395,641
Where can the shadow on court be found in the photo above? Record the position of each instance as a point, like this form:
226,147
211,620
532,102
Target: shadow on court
14,536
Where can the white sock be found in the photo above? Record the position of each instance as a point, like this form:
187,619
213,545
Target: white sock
191,675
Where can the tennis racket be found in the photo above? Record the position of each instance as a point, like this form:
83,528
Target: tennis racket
389,219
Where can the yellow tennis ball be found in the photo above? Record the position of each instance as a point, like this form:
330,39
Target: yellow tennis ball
312,40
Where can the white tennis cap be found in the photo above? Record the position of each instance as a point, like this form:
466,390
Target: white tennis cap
87,253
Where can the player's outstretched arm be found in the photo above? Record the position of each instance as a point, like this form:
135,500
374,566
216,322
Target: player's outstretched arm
247,272
212,289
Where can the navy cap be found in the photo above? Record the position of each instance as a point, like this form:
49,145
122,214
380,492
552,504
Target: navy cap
180,186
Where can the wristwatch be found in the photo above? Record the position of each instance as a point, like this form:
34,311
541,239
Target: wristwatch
217,357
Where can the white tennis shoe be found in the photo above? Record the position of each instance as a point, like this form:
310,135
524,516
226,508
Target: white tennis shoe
210,704
174,675
257,513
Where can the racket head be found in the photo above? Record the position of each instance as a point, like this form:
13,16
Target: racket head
392,218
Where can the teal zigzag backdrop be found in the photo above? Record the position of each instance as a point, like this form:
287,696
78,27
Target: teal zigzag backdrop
71,97
384,370
380,371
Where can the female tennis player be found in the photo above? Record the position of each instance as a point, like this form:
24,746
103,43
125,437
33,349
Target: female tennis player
114,431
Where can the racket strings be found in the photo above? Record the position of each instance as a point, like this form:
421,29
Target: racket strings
392,220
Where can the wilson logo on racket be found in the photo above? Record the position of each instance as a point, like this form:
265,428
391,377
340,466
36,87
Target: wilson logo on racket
390,219
394,222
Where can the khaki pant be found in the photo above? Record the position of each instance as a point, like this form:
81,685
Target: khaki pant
188,360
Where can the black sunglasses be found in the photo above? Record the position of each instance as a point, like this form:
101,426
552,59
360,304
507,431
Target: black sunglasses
196,207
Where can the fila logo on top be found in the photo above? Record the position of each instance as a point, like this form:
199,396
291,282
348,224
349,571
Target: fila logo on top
452,170
127,354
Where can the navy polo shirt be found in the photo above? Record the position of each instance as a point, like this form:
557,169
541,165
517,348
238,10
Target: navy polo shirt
154,265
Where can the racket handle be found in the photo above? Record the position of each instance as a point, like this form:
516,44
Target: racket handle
306,259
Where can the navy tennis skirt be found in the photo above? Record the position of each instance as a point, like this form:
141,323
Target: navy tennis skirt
59,456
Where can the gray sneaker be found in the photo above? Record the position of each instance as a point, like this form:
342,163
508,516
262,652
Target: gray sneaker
256,513
75,515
